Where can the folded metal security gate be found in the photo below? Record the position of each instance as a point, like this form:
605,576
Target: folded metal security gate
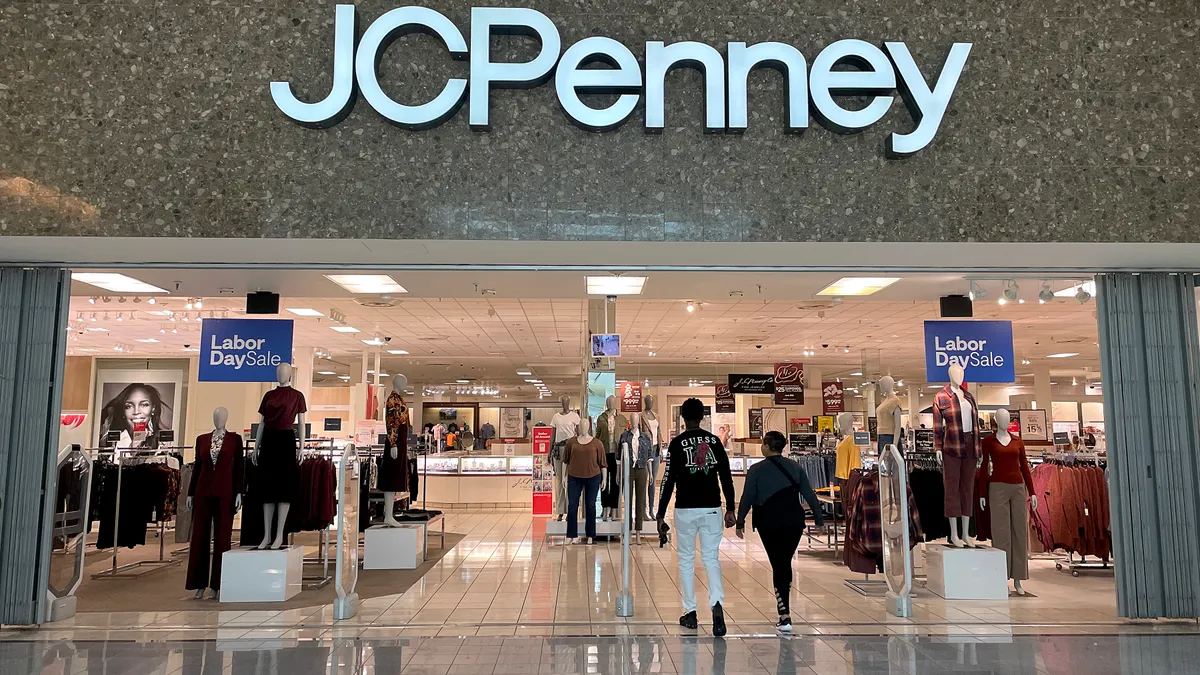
33,319
1148,351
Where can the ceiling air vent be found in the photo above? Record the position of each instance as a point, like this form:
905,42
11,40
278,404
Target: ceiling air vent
378,301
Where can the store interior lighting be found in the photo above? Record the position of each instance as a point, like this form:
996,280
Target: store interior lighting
304,311
858,286
691,307
1088,287
977,292
116,283
367,283
397,352
1045,295
344,329
615,285
1062,355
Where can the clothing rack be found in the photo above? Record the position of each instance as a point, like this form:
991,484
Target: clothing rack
318,448
140,568
1082,563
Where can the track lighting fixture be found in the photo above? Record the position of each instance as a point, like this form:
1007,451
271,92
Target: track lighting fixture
92,300
1011,291
152,301
1082,295
691,307
977,292
1045,295
121,300
188,304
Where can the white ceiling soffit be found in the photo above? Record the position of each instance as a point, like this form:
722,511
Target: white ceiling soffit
145,252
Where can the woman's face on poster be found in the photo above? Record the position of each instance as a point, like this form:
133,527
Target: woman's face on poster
138,407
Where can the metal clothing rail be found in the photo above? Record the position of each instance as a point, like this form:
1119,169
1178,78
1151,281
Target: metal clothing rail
140,568
321,448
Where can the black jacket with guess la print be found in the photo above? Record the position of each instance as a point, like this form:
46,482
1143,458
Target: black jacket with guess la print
698,469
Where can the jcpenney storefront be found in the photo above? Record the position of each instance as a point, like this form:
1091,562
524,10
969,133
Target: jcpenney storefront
996,140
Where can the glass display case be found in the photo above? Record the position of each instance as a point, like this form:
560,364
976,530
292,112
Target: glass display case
438,465
495,466
751,461
737,465
520,466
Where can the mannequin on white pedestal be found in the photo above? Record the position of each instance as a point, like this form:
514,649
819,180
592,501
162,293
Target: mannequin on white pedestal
393,465
278,447
956,439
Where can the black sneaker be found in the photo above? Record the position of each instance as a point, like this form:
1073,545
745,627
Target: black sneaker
689,620
718,620
784,625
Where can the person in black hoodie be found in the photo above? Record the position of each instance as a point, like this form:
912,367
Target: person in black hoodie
698,469
773,488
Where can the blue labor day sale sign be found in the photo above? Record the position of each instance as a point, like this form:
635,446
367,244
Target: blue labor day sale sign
983,348
244,350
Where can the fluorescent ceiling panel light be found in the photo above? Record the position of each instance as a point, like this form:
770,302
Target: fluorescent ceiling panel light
326,372
366,283
858,285
610,285
305,311
534,381
1063,355
117,283
463,381
343,377
374,342
524,373
1089,286
148,340
345,329
397,352
97,329
857,373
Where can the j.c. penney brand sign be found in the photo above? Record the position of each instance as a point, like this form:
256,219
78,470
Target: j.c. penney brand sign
877,73
983,348
244,350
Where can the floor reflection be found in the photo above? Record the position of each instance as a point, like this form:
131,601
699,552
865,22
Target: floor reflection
662,655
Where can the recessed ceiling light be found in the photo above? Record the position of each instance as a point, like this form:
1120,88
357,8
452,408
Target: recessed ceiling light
463,381
524,373
97,329
397,352
148,340
326,372
117,283
305,311
374,342
366,283
1062,355
857,373
613,285
534,381
343,377
858,285
345,329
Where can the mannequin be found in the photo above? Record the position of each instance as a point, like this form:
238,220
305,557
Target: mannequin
584,442
566,426
651,420
849,456
393,465
1009,483
214,496
887,415
956,439
636,448
278,447
609,428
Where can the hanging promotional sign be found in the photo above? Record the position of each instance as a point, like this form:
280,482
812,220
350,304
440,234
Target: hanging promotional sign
543,473
923,440
726,403
789,384
802,442
825,424
630,396
751,384
244,350
756,423
832,398
983,348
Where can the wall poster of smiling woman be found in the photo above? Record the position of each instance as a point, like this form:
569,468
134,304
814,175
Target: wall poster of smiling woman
135,406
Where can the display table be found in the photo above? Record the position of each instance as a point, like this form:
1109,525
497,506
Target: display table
394,548
250,575
966,573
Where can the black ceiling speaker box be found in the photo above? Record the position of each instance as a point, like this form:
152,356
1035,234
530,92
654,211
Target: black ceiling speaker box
262,302
956,307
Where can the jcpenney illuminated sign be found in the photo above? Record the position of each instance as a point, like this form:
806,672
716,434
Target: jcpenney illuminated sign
877,73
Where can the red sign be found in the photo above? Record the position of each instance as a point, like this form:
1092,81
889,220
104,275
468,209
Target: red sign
72,420
789,384
630,394
726,403
543,472
832,400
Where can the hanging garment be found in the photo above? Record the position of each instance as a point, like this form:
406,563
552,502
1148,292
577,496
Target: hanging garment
275,482
183,517
952,435
863,552
928,491
393,472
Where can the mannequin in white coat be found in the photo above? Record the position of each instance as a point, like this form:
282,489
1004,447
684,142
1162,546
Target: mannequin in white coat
283,375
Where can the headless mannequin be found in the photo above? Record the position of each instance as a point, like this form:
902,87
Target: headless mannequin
956,380
283,375
583,438
399,383
628,454
887,386
220,419
561,507
1004,438
610,411
845,424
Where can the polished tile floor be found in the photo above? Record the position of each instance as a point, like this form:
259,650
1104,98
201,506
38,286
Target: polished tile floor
503,580
661,655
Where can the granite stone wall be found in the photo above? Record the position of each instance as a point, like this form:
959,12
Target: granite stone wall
1073,121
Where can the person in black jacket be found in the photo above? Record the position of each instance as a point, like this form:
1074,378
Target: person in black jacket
774,488
698,468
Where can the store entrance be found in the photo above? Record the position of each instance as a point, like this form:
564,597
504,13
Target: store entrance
485,361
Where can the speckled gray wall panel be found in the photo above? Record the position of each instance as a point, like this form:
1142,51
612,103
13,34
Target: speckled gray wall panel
1073,121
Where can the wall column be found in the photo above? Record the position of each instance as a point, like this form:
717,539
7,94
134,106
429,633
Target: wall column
1043,394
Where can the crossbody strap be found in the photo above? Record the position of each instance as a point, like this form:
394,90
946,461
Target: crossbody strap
786,473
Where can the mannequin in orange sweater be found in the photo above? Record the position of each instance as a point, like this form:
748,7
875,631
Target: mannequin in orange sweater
1004,457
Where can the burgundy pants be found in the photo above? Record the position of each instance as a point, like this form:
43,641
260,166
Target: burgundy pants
212,519
958,475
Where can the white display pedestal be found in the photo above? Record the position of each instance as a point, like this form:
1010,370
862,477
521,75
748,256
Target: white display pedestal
394,548
612,528
249,575
966,573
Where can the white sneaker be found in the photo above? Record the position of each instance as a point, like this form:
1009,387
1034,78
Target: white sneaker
784,625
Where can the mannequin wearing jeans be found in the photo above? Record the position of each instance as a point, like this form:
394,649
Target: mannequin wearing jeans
566,426
584,468
887,414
